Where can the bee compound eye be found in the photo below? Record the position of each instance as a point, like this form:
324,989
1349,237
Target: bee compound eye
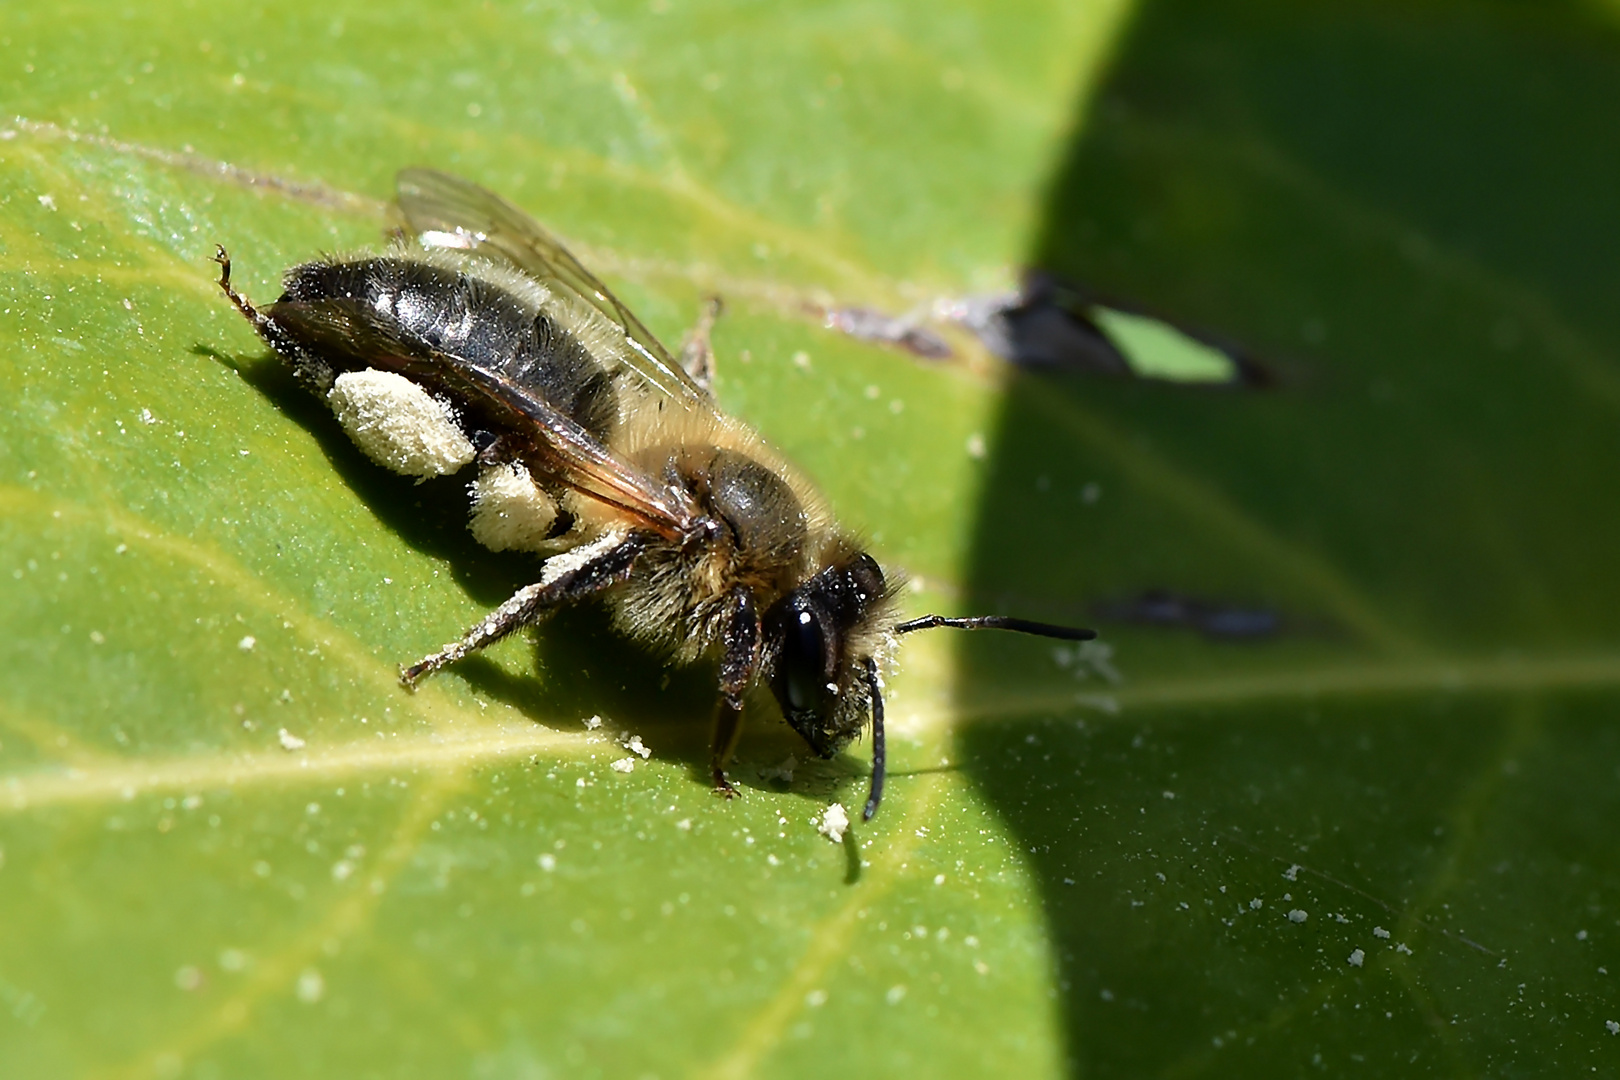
804,661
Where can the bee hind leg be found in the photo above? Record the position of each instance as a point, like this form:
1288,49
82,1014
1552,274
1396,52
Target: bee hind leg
567,578
310,370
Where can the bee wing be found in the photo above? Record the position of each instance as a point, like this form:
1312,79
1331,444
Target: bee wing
447,211
355,336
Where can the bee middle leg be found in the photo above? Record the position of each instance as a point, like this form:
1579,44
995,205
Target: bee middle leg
739,667
566,578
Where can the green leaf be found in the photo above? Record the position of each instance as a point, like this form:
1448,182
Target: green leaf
231,845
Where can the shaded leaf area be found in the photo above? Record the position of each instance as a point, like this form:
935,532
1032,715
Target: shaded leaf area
1403,211
230,844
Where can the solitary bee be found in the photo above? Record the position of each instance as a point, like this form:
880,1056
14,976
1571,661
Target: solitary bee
478,340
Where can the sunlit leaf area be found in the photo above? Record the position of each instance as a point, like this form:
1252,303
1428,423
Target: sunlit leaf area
1333,793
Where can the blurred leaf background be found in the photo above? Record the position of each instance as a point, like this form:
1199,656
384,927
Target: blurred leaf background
1372,836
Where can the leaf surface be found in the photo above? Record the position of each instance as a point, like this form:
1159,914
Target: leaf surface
1336,793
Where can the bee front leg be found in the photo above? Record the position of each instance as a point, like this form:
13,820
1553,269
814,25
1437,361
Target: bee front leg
739,667
727,727
566,578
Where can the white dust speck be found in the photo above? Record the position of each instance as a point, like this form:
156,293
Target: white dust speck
146,416
311,986
896,994
834,823
801,359
637,747
976,446
1402,948
815,999
547,862
188,978
97,638
1256,904
1580,935
1169,794
1292,873
939,879
685,824
627,764
1614,1028
247,643
48,202
289,741
592,723
233,960
1297,916
342,869
1357,957
1380,932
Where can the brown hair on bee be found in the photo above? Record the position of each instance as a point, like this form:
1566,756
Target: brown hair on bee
478,340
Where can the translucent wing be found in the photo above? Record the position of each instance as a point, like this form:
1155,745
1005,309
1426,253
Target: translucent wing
447,211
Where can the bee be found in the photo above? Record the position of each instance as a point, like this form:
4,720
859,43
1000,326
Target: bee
478,341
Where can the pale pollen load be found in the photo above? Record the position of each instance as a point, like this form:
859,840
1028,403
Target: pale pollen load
399,425
509,513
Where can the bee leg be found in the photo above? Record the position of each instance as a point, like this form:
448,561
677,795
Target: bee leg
739,667
566,578
697,353
273,335
727,726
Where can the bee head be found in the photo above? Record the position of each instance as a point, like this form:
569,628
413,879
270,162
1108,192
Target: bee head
821,638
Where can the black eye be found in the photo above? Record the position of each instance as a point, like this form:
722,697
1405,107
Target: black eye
804,661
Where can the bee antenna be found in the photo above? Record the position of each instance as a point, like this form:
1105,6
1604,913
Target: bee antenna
879,751
999,622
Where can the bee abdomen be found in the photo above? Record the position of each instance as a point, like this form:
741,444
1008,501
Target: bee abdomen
478,321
